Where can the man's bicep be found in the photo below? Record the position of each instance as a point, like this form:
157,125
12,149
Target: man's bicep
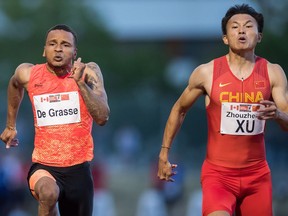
281,98
189,96
280,92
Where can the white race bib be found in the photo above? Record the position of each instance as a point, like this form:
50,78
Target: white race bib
57,109
240,119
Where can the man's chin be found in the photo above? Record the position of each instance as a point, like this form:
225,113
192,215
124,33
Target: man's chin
57,64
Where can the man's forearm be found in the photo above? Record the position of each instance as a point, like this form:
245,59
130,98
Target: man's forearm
96,104
15,95
282,120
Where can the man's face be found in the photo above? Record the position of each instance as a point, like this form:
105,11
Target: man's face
59,48
242,32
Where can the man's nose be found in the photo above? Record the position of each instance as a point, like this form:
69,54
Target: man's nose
241,30
58,47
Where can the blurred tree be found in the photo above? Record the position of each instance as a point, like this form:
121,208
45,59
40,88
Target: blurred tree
274,45
133,71
129,69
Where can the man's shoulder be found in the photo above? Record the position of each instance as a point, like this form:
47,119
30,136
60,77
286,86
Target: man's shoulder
24,66
22,73
93,66
274,68
205,67
203,73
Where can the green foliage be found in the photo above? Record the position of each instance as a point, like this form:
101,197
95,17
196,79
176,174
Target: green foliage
275,49
133,71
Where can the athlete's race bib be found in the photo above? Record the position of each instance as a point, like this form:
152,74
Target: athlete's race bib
57,109
240,119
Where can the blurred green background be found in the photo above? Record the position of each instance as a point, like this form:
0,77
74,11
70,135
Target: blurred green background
145,69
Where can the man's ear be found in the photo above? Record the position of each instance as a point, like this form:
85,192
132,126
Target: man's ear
75,53
225,40
260,36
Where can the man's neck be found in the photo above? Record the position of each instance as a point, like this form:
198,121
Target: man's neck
241,65
58,71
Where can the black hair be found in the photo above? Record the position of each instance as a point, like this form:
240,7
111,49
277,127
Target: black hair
64,28
243,9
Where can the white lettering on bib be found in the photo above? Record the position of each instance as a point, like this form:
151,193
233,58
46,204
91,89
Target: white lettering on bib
57,109
240,119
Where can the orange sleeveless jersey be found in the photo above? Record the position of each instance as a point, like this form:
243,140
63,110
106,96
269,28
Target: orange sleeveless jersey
235,151
59,144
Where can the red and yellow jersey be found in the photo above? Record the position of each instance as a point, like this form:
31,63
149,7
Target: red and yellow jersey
62,122
235,135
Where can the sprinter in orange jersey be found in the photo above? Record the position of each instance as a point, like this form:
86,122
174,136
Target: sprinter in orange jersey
66,98
235,176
